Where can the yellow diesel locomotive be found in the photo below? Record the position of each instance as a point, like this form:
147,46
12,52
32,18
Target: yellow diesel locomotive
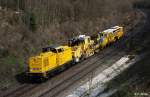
50,59
54,57
110,35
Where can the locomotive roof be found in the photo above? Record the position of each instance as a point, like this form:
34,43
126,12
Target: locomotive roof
56,47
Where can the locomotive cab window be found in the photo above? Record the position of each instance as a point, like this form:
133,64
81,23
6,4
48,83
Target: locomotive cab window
45,49
60,50
53,50
48,49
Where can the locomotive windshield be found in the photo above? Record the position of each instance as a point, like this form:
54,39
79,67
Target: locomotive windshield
48,49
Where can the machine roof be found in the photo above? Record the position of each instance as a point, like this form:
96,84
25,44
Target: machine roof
109,30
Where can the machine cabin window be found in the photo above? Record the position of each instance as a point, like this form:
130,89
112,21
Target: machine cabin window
75,42
101,34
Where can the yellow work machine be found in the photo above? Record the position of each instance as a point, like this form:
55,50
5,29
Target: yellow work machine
118,31
82,47
110,35
50,59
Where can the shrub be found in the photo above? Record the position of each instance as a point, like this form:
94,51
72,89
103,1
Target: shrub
32,21
3,53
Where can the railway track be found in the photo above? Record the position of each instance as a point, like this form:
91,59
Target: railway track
52,84
19,90
24,89
53,92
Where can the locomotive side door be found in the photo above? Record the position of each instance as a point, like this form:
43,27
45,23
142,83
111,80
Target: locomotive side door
60,54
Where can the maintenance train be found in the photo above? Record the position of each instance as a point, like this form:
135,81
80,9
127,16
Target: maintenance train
81,47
